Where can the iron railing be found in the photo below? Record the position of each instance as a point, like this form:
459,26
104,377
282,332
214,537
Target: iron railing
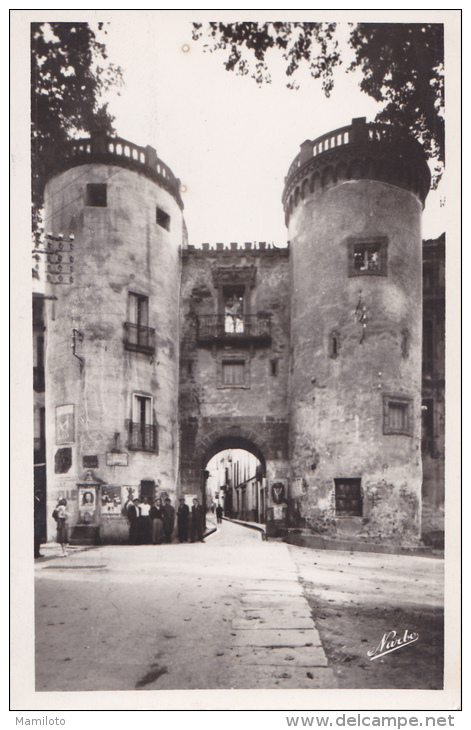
139,338
227,327
142,437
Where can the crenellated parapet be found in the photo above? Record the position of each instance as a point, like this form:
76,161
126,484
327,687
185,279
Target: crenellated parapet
252,248
360,151
107,150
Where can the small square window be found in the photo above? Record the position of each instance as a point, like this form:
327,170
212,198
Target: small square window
348,499
367,257
96,195
233,372
397,415
163,219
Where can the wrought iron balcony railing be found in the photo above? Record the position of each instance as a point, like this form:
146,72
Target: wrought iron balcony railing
142,437
228,327
139,339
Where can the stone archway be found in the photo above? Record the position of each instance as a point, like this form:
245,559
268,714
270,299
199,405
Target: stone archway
242,500
266,438
214,443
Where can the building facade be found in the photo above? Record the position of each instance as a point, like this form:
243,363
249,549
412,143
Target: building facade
159,355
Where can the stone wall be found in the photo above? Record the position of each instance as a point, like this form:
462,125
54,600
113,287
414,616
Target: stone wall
214,416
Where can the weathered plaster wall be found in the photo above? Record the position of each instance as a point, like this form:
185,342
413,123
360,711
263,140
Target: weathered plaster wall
337,402
117,249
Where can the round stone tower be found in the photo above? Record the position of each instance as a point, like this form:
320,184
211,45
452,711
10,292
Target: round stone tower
353,201
114,214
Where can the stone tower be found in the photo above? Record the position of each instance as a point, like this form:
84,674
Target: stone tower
353,201
115,216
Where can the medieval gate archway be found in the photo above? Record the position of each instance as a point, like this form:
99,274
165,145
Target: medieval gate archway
266,439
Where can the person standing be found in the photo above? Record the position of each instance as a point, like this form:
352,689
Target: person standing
144,522
183,520
168,519
219,514
155,515
61,516
133,517
196,522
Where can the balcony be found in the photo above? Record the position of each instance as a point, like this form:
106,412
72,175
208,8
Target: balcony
138,338
142,437
248,328
38,379
108,150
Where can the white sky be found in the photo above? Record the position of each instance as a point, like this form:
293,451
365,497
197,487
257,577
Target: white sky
229,141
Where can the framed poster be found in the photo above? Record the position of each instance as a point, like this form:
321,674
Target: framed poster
111,501
65,432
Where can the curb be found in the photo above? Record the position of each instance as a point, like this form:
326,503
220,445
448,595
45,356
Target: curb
317,542
250,525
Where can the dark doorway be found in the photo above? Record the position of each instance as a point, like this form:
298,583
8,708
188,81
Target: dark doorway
148,489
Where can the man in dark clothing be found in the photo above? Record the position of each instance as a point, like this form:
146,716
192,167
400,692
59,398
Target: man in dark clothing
168,518
183,520
133,517
219,513
155,516
196,522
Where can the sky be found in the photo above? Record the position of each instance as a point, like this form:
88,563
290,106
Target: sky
229,140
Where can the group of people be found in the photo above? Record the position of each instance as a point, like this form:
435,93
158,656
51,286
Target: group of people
148,523
154,523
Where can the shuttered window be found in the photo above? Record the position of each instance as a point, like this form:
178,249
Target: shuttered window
233,372
397,415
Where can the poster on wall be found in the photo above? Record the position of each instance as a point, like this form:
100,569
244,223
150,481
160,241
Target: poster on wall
65,424
87,504
111,501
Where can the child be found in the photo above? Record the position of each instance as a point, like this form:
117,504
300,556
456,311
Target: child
61,516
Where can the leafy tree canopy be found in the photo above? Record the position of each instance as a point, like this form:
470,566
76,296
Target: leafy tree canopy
402,65
69,74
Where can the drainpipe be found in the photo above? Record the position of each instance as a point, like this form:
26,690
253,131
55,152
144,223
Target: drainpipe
77,336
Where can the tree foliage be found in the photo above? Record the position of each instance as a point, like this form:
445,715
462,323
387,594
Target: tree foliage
300,43
69,74
402,65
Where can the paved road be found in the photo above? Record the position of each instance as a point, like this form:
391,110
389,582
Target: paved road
227,613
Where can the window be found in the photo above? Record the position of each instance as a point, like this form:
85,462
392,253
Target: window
405,343
142,431
367,257
96,195
430,276
163,219
428,442
274,367
397,415
428,347
139,336
334,344
233,301
348,500
38,369
233,371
